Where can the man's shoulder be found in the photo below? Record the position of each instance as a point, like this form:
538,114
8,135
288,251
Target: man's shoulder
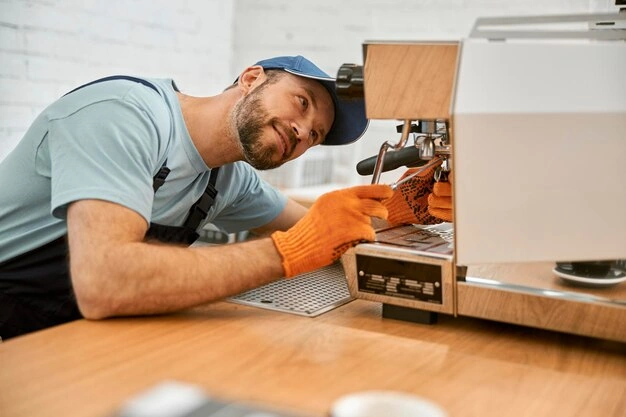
122,100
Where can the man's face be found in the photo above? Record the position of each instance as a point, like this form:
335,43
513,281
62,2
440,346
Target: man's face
278,121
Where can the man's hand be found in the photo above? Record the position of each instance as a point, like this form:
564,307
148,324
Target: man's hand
336,221
420,200
440,201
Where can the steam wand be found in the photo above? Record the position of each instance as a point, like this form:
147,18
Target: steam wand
406,129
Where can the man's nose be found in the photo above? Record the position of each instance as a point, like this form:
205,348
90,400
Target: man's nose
300,129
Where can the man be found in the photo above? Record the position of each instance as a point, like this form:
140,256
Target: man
106,190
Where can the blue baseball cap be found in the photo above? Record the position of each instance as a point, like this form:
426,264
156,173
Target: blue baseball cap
350,120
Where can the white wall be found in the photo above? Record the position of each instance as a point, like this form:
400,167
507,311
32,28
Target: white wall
49,47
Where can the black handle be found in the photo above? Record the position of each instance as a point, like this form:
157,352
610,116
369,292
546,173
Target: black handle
408,156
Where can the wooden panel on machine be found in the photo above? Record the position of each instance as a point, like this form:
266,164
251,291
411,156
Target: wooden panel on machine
409,80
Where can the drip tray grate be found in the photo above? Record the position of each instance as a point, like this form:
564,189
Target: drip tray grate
309,294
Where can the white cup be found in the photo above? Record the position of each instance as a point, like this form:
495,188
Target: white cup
385,404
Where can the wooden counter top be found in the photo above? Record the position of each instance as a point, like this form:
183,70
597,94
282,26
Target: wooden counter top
469,367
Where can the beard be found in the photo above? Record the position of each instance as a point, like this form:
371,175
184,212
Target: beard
250,117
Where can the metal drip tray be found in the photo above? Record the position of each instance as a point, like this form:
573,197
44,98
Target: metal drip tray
309,294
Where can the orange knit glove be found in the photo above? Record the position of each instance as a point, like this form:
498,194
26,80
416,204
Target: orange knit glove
335,222
409,203
440,201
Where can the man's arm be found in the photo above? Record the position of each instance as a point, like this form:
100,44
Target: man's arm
114,272
290,215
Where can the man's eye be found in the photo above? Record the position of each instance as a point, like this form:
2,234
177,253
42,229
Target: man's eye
304,102
314,136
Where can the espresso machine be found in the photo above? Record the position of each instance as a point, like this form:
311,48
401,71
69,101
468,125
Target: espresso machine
528,120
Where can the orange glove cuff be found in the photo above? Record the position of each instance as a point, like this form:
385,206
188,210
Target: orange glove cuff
335,222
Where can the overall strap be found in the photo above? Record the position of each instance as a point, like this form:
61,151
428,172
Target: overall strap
187,234
200,209
117,77
159,179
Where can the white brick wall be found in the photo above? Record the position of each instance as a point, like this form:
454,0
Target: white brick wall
49,47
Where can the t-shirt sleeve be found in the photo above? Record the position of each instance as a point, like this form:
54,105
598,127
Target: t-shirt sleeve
108,151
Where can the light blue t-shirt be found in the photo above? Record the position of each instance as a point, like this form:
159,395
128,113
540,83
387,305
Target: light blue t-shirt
107,141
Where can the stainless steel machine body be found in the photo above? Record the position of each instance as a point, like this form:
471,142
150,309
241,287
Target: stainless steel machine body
531,123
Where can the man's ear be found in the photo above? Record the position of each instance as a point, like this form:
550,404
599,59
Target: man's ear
250,78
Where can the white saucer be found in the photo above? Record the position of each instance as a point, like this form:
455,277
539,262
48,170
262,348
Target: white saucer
385,403
591,282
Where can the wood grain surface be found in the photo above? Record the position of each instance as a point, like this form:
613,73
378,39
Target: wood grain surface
409,80
470,367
